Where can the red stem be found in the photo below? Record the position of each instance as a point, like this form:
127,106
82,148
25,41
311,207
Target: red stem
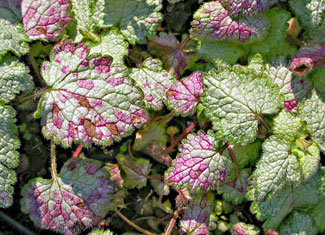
173,221
184,43
233,158
77,151
181,136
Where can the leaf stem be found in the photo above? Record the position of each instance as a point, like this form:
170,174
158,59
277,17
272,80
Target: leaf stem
36,68
184,42
233,158
173,221
155,177
77,151
54,172
32,96
181,136
133,224
22,229
267,126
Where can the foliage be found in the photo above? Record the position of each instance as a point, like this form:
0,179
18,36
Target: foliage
183,117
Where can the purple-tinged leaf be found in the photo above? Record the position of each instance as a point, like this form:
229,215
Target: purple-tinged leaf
213,22
244,229
185,94
136,170
10,10
199,165
246,7
76,201
183,198
115,174
45,19
172,53
308,58
154,81
196,218
88,100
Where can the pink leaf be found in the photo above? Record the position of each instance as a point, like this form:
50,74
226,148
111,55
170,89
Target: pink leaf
45,19
185,94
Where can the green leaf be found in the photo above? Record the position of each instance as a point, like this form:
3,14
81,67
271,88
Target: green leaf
244,229
236,100
10,10
299,224
288,126
88,16
282,164
13,39
101,232
14,78
154,81
312,110
9,144
112,44
318,213
136,19
274,210
136,170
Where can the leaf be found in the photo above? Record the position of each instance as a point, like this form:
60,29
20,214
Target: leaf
310,14
88,15
136,170
9,144
45,19
14,78
246,7
153,133
312,110
10,10
77,200
199,165
274,210
154,81
174,1
288,126
13,39
175,57
88,99
112,44
308,58
212,22
244,229
236,99
318,213
235,191
184,95
136,19
282,165
196,218
101,232
299,224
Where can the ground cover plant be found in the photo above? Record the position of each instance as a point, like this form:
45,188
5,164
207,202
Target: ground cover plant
162,117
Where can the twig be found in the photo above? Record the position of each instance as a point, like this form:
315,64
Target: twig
181,136
133,224
77,151
15,224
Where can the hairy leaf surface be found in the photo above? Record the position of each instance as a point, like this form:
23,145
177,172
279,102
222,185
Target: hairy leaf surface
184,95
76,200
9,144
199,165
154,81
136,19
89,100
45,19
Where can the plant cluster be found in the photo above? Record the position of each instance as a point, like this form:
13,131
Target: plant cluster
163,117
